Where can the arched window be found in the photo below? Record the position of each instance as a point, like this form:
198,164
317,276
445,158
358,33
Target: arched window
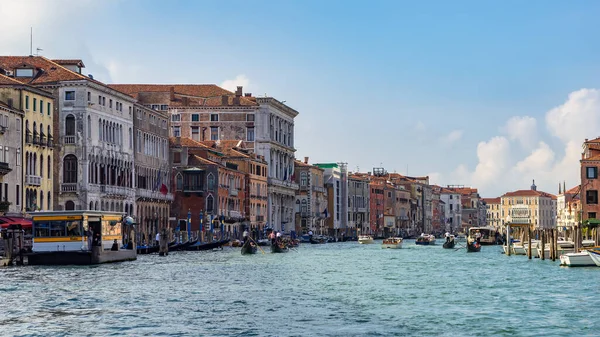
49,168
70,169
303,207
96,206
179,179
210,182
41,204
69,125
49,202
69,206
303,179
41,166
91,205
209,203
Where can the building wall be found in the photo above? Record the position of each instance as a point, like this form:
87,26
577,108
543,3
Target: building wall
590,183
99,142
11,158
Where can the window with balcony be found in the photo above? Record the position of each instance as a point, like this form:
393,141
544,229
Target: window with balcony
70,125
303,179
70,169
591,172
591,197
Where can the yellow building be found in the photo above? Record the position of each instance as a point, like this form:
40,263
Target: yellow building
494,212
37,140
541,206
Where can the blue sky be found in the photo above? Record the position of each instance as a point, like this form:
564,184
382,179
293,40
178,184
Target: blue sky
427,85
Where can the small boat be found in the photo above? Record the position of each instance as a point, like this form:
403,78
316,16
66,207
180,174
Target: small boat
206,246
145,249
279,248
365,239
318,240
473,246
392,243
236,243
249,248
425,240
449,243
595,255
581,259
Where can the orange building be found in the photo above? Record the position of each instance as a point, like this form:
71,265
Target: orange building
590,164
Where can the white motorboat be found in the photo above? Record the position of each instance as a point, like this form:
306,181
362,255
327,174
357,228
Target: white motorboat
563,247
595,255
582,259
425,240
365,239
518,249
392,243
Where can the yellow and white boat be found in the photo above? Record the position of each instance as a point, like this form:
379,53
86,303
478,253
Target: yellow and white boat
392,243
365,239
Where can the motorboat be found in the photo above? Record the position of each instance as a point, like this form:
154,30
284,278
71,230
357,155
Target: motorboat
595,255
365,239
425,240
563,247
581,259
392,243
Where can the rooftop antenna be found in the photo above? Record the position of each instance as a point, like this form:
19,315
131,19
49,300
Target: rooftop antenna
31,41
37,51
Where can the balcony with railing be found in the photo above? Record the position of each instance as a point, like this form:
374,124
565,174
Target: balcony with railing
4,168
50,141
282,183
36,138
260,218
69,139
119,191
68,188
33,180
43,139
148,194
233,192
28,138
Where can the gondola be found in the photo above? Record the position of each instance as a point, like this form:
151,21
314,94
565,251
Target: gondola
317,241
249,248
275,248
449,243
147,249
181,246
206,246
473,247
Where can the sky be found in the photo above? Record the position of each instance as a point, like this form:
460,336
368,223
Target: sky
488,94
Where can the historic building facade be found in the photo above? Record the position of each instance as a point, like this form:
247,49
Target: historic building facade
11,146
93,155
152,169
541,206
311,200
358,202
590,184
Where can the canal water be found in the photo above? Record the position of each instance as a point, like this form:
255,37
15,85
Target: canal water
335,289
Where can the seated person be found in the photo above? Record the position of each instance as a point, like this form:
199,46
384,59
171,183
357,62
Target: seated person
115,246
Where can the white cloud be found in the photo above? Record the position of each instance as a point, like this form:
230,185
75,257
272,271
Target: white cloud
522,129
420,126
500,169
453,136
240,80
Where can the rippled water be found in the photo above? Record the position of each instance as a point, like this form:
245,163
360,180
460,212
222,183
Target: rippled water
336,289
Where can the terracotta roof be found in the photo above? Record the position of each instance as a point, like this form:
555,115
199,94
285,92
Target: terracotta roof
186,142
185,94
73,62
225,144
595,140
204,161
492,200
529,193
45,70
574,190
5,80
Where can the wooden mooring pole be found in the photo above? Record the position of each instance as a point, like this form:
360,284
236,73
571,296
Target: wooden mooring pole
529,242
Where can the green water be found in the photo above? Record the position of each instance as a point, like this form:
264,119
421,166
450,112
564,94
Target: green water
335,289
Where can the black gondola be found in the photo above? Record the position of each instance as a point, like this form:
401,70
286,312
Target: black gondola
473,247
276,248
249,248
449,243
147,249
181,246
318,241
206,246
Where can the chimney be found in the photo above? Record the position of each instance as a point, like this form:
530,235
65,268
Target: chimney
305,160
238,92
172,93
236,100
248,94
224,100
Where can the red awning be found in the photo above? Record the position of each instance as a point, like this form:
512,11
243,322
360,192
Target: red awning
7,221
